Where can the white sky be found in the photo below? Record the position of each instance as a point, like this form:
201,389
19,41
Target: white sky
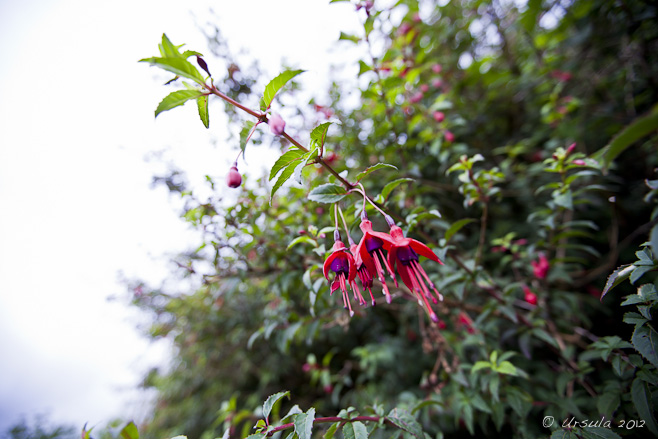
76,121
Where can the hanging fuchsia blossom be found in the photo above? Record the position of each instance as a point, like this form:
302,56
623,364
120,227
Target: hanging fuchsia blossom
371,250
364,270
342,263
403,256
540,267
529,296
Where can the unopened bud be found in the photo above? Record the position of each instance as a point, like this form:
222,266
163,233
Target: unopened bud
203,64
439,116
436,68
416,97
571,148
449,136
424,88
233,179
277,124
579,162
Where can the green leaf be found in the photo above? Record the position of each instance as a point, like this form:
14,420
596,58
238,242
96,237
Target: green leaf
202,104
178,66
506,368
363,67
406,422
618,276
271,400
176,98
285,161
641,397
608,403
456,226
480,365
327,193
653,239
355,430
302,239
520,401
297,175
130,431
348,37
275,85
373,168
639,128
331,431
563,434
245,134
645,341
283,177
319,134
392,185
563,199
304,424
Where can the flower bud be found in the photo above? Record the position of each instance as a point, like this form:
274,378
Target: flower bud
439,116
571,148
436,83
436,68
449,136
233,179
203,64
579,162
277,124
530,297
416,97
424,88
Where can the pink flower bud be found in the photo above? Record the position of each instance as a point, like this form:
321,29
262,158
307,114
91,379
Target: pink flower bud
571,148
436,68
233,179
277,124
529,296
424,88
416,97
436,83
449,136
439,116
579,162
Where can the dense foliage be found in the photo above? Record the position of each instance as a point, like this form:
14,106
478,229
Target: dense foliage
523,151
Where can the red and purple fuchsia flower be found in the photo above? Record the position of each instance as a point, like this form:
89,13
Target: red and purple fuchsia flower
342,263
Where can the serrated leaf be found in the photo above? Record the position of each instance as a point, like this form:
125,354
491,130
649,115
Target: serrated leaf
406,422
645,341
130,431
619,275
355,430
392,185
285,161
641,397
331,431
319,134
178,66
373,168
283,177
271,400
275,85
176,98
245,135
297,175
456,226
202,105
327,193
304,424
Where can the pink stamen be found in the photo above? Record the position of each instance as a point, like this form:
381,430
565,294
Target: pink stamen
388,267
420,269
420,294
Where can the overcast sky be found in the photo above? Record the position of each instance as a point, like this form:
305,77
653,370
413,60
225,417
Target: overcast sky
76,122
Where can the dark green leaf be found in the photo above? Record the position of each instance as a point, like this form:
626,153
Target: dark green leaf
608,403
641,397
302,239
563,434
406,422
202,104
653,240
304,424
639,128
392,185
331,431
645,341
178,66
275,85
620,274
520,401
598,433
327,193
355,430
176,98
283,177
372,168
456,226
271,400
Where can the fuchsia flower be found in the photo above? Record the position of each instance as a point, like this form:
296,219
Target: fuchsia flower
403,256
449,136
277,124
234,179
371,251
540,267
364,271
529,296
416,97
439,116
342,263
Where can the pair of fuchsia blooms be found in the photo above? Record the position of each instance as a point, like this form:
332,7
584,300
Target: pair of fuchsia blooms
367,259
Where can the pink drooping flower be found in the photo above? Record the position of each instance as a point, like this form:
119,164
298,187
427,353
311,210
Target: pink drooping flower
364,270
439,116
341,262
403,254
277,124
529,296
540,267
371,251
234,179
